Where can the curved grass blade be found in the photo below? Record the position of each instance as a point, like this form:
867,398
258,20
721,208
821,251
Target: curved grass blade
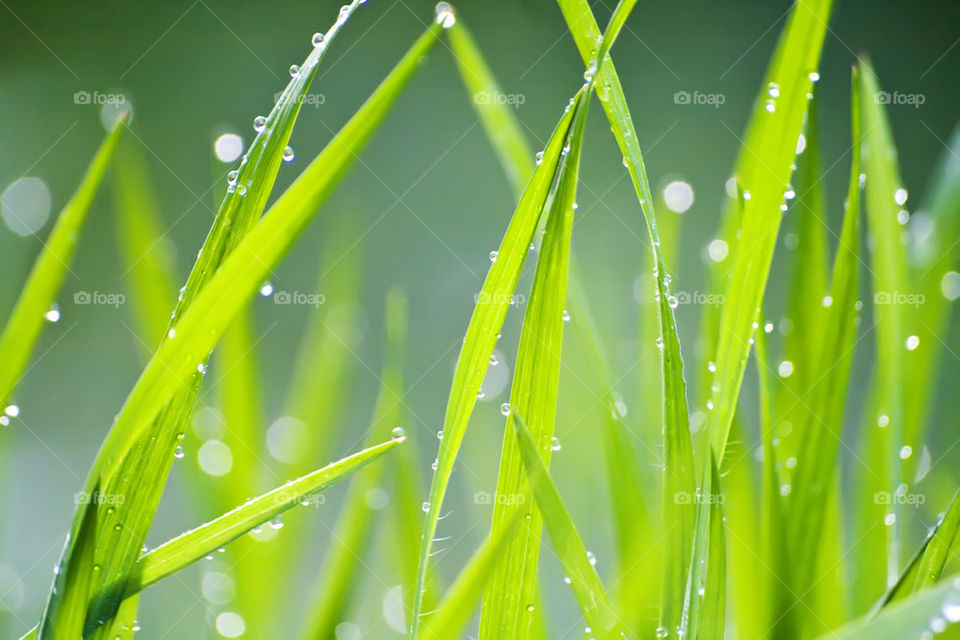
355,526
174,555
198,329
27,318
485,323
454,610
536,378
584,581
934,610
926,566
890,280
763,172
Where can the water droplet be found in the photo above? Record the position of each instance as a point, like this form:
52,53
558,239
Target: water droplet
673,302
288,154
53,314
294,70
717,250
883,420
317,39
232,177
277,522
266,290
712,366
770,107
906,451
242,190
539,157
493,256
900,196
555,444
444,15
436,463
172,333
827,301
259,123
398,434
912,343
505,409
425,506
566,316
12,410
785,368
814,76
661,632
773,90
493,360
530,608
179,452
480,394
889,519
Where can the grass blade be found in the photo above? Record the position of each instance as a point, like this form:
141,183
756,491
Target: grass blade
890,279
237,278
488,315
28,316
936,609
763,172
584,581
506,603
174,555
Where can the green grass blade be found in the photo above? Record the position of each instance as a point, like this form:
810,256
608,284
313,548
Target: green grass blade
820,429
37,295
933,610
678,452
355,526
926,566
704,596
584,581
499,122
454,610
237,278
485,323
146,257
763,173
889,281
174,555
506,603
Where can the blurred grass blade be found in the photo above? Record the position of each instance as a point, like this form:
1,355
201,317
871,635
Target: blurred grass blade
508,596
584,581
37,295
198,329
458,603
926,566
678,449
147,260
336,582
821,427
499,122
884,198
485,323
931,611
763,172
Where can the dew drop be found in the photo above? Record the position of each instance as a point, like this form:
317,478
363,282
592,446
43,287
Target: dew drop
566,316
294,70
179,452
259,123
505,409
52,314
555,444
493,256
317,39
425,506
12,410
277,522
398,434
912,343
906,451
444,15
900,196
539,157
288,154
